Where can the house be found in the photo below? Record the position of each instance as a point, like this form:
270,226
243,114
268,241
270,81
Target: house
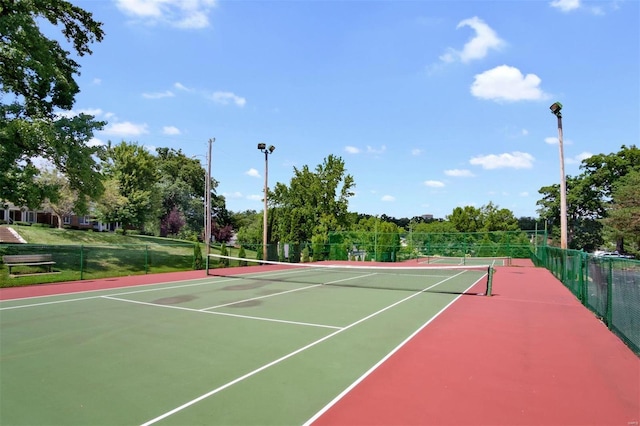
11,213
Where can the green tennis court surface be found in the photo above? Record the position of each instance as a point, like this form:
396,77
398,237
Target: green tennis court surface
271,347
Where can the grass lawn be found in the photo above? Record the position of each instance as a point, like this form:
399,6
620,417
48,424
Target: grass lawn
89,255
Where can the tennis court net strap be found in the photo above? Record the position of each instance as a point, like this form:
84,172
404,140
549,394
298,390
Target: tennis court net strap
395,276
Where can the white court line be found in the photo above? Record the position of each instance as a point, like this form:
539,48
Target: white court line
379,363
284,292
261,297
209,280
222,313
106,290
285,357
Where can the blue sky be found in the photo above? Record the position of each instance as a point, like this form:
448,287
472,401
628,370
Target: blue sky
431,104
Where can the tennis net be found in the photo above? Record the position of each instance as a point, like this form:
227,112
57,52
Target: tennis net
417,277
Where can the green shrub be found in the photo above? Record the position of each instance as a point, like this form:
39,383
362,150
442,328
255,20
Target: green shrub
197,257
242,254
305,255
224,252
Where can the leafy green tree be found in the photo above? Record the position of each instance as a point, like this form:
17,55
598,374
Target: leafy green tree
134,170
624,212
496,219
113,207
38,75
249,226
584,207
589,196
314,201
62,201
466,219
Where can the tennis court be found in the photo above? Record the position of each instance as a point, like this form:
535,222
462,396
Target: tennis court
270,346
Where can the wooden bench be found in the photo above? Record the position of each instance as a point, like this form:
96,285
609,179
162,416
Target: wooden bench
45,260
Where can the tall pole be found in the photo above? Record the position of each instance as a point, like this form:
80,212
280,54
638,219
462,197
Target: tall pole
563,189
264,215
207,206
263,148
556,109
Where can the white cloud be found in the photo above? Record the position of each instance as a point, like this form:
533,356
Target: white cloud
433,184
191,14
171,130
225,98
505,83
254,197
578,158
372,150
232,195
252,172
459,173
72,113
158,95
388,198
416,152
514,160
524,194
553,140
525,132
478,46
95,142
352,150
565,5
97,81
181,86
126,128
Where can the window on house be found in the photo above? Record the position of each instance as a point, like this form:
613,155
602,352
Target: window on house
66,220
85,220
31,217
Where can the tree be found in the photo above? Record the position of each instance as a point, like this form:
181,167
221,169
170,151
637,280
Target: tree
496,219
134,170
584,207
314,202
62,201
589,197
38,74
466,219
624,212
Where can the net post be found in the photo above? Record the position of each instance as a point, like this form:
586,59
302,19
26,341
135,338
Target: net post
490,271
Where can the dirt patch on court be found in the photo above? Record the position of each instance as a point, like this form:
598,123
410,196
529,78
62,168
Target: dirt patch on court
249,286
175,300
246,304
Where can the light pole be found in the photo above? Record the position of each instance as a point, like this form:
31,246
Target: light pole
263,148
556,109
207,206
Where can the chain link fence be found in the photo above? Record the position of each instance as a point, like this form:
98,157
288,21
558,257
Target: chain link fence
608,286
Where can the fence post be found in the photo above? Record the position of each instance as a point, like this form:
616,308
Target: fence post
81,261
146,259
609,314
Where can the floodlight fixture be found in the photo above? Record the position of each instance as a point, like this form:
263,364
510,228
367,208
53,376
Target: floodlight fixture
271,149
262,146
556,108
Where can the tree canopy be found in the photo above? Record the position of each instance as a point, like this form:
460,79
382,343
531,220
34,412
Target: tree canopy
593,196
38,75
313,203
